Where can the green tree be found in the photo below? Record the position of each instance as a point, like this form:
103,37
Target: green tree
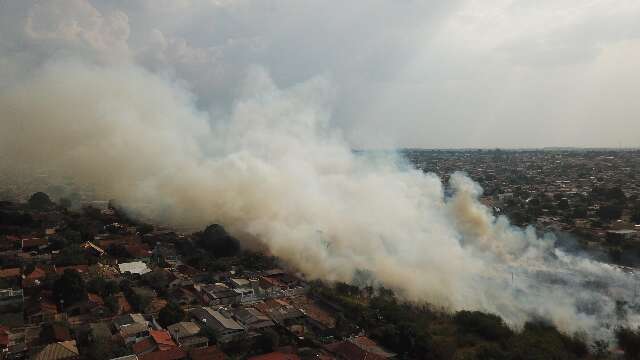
170,314
610,212
40,201
218,242
70,287
488,326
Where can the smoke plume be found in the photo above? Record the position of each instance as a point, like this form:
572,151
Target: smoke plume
274,172
188,134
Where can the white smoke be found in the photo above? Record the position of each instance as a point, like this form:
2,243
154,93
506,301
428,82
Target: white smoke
272,169
276,173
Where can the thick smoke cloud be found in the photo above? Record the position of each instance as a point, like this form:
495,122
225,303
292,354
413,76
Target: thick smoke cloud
268,161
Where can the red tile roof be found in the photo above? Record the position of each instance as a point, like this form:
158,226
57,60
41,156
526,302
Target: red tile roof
162,338
144,346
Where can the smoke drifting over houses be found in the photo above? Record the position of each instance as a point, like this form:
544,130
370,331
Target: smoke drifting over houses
276,172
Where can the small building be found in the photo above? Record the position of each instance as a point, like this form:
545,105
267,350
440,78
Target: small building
183,330
253,319
65,350
217,294
135,268
225,328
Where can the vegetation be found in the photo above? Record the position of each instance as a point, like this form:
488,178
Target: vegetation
70,287
171,314
40,201
218,242
421,332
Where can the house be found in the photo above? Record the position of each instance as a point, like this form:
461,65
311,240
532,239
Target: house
317,318
186,334
194,342
133,333
225,328
135,267
177,280
217,294
280,311
129,319
162,339
253,319
207,353
65,350
132,327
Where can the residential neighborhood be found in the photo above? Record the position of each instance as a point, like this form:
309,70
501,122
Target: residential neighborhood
90,284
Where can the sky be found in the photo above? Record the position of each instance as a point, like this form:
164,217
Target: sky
430,74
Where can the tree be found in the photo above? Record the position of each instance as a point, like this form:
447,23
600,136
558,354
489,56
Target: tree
170,314
70,287
218,242
610,212
488,326
72,255
40,201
